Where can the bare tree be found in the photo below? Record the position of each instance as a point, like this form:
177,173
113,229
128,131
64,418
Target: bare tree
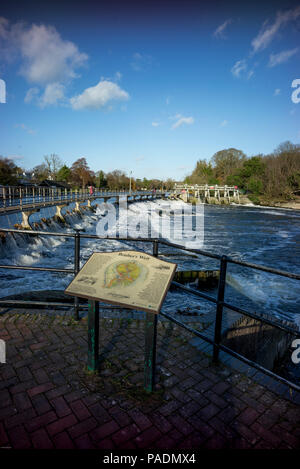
53,164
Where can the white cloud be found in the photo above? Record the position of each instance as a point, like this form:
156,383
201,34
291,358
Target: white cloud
31,94
224,123
277,92
155,124
118,76
96,97
26,128
180,120
281,57
54,93
219,32
239,67
269,31
46,59
45,56
140,61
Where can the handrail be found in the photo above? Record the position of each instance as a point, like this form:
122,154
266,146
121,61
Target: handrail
219,301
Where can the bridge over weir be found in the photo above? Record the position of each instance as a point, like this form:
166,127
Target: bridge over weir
207,193
29,200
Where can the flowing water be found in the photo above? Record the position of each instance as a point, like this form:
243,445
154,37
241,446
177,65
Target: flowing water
264,236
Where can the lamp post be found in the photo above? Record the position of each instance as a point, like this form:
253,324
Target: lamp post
130,182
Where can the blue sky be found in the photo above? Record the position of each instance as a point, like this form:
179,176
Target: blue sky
147,87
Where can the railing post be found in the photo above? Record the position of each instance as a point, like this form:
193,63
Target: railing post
219,310
4,196
150,342
93,336
76,270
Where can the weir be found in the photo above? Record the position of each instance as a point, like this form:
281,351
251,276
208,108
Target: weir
206,193
30,200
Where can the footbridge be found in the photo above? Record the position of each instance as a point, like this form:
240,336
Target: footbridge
206,193
29,200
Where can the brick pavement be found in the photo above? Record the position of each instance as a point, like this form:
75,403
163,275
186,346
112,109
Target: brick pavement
48,399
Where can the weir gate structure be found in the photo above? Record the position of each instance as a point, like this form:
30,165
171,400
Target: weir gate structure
206,193
29,200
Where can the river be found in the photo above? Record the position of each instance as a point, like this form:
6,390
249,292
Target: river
259,235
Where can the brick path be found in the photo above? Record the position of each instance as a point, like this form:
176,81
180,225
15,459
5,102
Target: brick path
49,400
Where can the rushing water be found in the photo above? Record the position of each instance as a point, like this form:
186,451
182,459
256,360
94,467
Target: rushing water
264,236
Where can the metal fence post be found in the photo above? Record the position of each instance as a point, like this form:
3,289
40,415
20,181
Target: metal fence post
150,342
219,310
93,335
76,270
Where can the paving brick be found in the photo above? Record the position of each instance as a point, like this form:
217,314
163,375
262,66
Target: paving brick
63,441
19,438
40,421
266,435
140,419
181,424
169,408
19,418
107,443
61,424
101,432
82,427
3,436
24,373
248,416
22,401
58,391
60,406
41,440
41,376
40,389
84,442
125,434
208,412
120,416
80,410
165,442
41,404
5,399
290,438
99,413
147,438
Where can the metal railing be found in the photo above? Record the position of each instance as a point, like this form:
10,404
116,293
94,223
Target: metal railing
219,301
24,197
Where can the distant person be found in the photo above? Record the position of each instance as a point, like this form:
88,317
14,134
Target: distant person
91,190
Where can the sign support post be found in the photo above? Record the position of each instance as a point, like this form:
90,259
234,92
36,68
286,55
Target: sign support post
93,336
150,351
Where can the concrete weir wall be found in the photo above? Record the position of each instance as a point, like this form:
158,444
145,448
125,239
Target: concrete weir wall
27,218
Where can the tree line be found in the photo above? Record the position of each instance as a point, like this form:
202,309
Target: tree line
78,175
264,178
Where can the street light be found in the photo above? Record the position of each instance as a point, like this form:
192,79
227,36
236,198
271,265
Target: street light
130,182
